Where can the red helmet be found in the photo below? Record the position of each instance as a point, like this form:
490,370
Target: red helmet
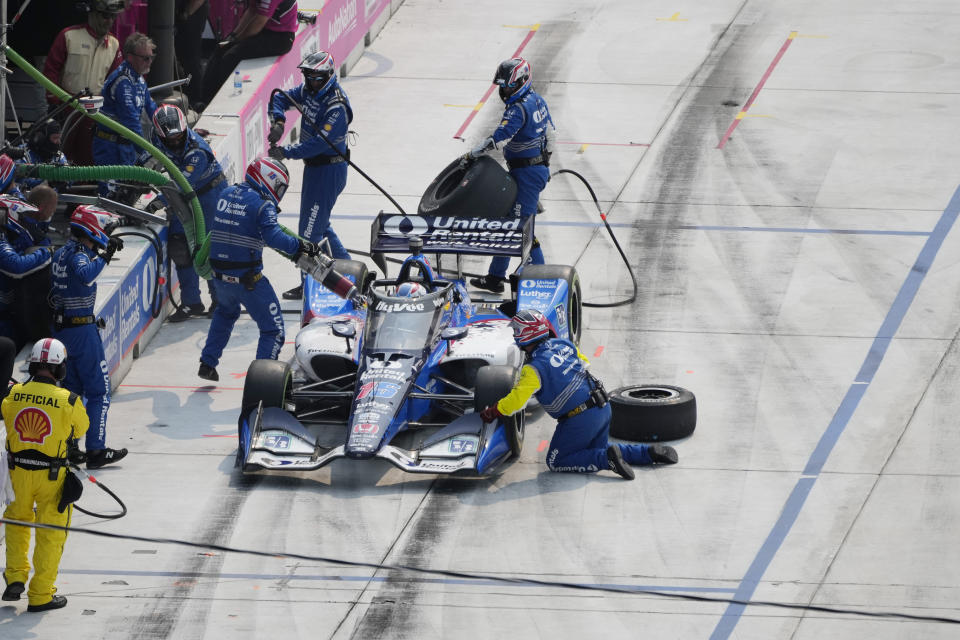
6,172
86,223
269,177
530,326
171,126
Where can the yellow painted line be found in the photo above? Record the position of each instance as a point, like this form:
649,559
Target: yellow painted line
741,115
529,27
673,18
479,106
583,148
756,115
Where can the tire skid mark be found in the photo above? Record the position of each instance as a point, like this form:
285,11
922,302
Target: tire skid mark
159,620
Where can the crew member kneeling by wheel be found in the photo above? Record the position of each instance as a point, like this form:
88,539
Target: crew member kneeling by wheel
557,373
43,424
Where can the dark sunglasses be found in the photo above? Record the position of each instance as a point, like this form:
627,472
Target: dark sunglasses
147,58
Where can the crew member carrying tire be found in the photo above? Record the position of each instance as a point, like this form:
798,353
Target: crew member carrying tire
524,124
556,372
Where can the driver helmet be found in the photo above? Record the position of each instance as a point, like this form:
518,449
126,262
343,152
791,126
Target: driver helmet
86,223
171,126
6,173
48,353
45,140
514,78
319,71
411,290
12,212
268,177
530,327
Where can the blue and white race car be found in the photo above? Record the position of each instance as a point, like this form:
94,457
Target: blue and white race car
403,378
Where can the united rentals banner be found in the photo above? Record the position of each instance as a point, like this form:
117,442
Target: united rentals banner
391,233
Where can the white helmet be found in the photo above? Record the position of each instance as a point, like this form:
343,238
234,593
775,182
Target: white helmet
49,353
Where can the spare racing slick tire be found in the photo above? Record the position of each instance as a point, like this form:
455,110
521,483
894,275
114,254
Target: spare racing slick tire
482,189
574,307
267,381
492,383
652,413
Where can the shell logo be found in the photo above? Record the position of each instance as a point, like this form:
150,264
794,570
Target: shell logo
33,425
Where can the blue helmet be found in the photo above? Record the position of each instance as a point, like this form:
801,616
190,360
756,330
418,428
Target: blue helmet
514,78
269,177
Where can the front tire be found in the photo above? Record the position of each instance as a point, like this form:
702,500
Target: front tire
652,413
494,382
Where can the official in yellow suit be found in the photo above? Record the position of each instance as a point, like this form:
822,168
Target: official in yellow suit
43,422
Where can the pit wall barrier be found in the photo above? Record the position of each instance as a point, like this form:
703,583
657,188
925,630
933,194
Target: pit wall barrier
240,123
239,126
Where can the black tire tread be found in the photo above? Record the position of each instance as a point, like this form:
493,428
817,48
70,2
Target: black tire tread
654,419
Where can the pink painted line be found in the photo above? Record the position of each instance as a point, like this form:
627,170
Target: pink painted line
543,445
596,354
483,100
753,96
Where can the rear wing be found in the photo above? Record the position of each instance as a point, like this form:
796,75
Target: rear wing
511,236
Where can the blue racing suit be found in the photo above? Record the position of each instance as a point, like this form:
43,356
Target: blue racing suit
14,265
556,372
524,124
243,222
325,115
202,170
125,96
74,293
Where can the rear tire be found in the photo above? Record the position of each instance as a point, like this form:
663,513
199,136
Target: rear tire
494,382
573,309
652,413
482,189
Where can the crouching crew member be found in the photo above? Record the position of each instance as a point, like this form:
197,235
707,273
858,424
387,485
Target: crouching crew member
76,266
43,422
556,372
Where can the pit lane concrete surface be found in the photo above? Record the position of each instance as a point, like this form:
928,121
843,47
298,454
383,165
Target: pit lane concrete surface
782,177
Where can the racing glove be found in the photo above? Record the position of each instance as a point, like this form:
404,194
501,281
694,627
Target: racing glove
276,131
276,152
491,414
306,247
479,150
113,245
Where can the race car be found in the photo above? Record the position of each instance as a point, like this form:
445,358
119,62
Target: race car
404,376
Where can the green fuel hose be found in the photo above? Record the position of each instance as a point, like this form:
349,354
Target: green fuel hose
195,230
70,173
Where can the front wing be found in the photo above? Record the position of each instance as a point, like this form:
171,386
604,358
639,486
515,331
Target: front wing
272,439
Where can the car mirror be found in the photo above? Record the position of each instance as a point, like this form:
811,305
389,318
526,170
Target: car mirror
454,333
344,330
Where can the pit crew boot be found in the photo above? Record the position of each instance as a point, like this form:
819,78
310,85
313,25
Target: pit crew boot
617,464
13,591
662,454
57,602
208,373
294,294
489,282
101,458
187,312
